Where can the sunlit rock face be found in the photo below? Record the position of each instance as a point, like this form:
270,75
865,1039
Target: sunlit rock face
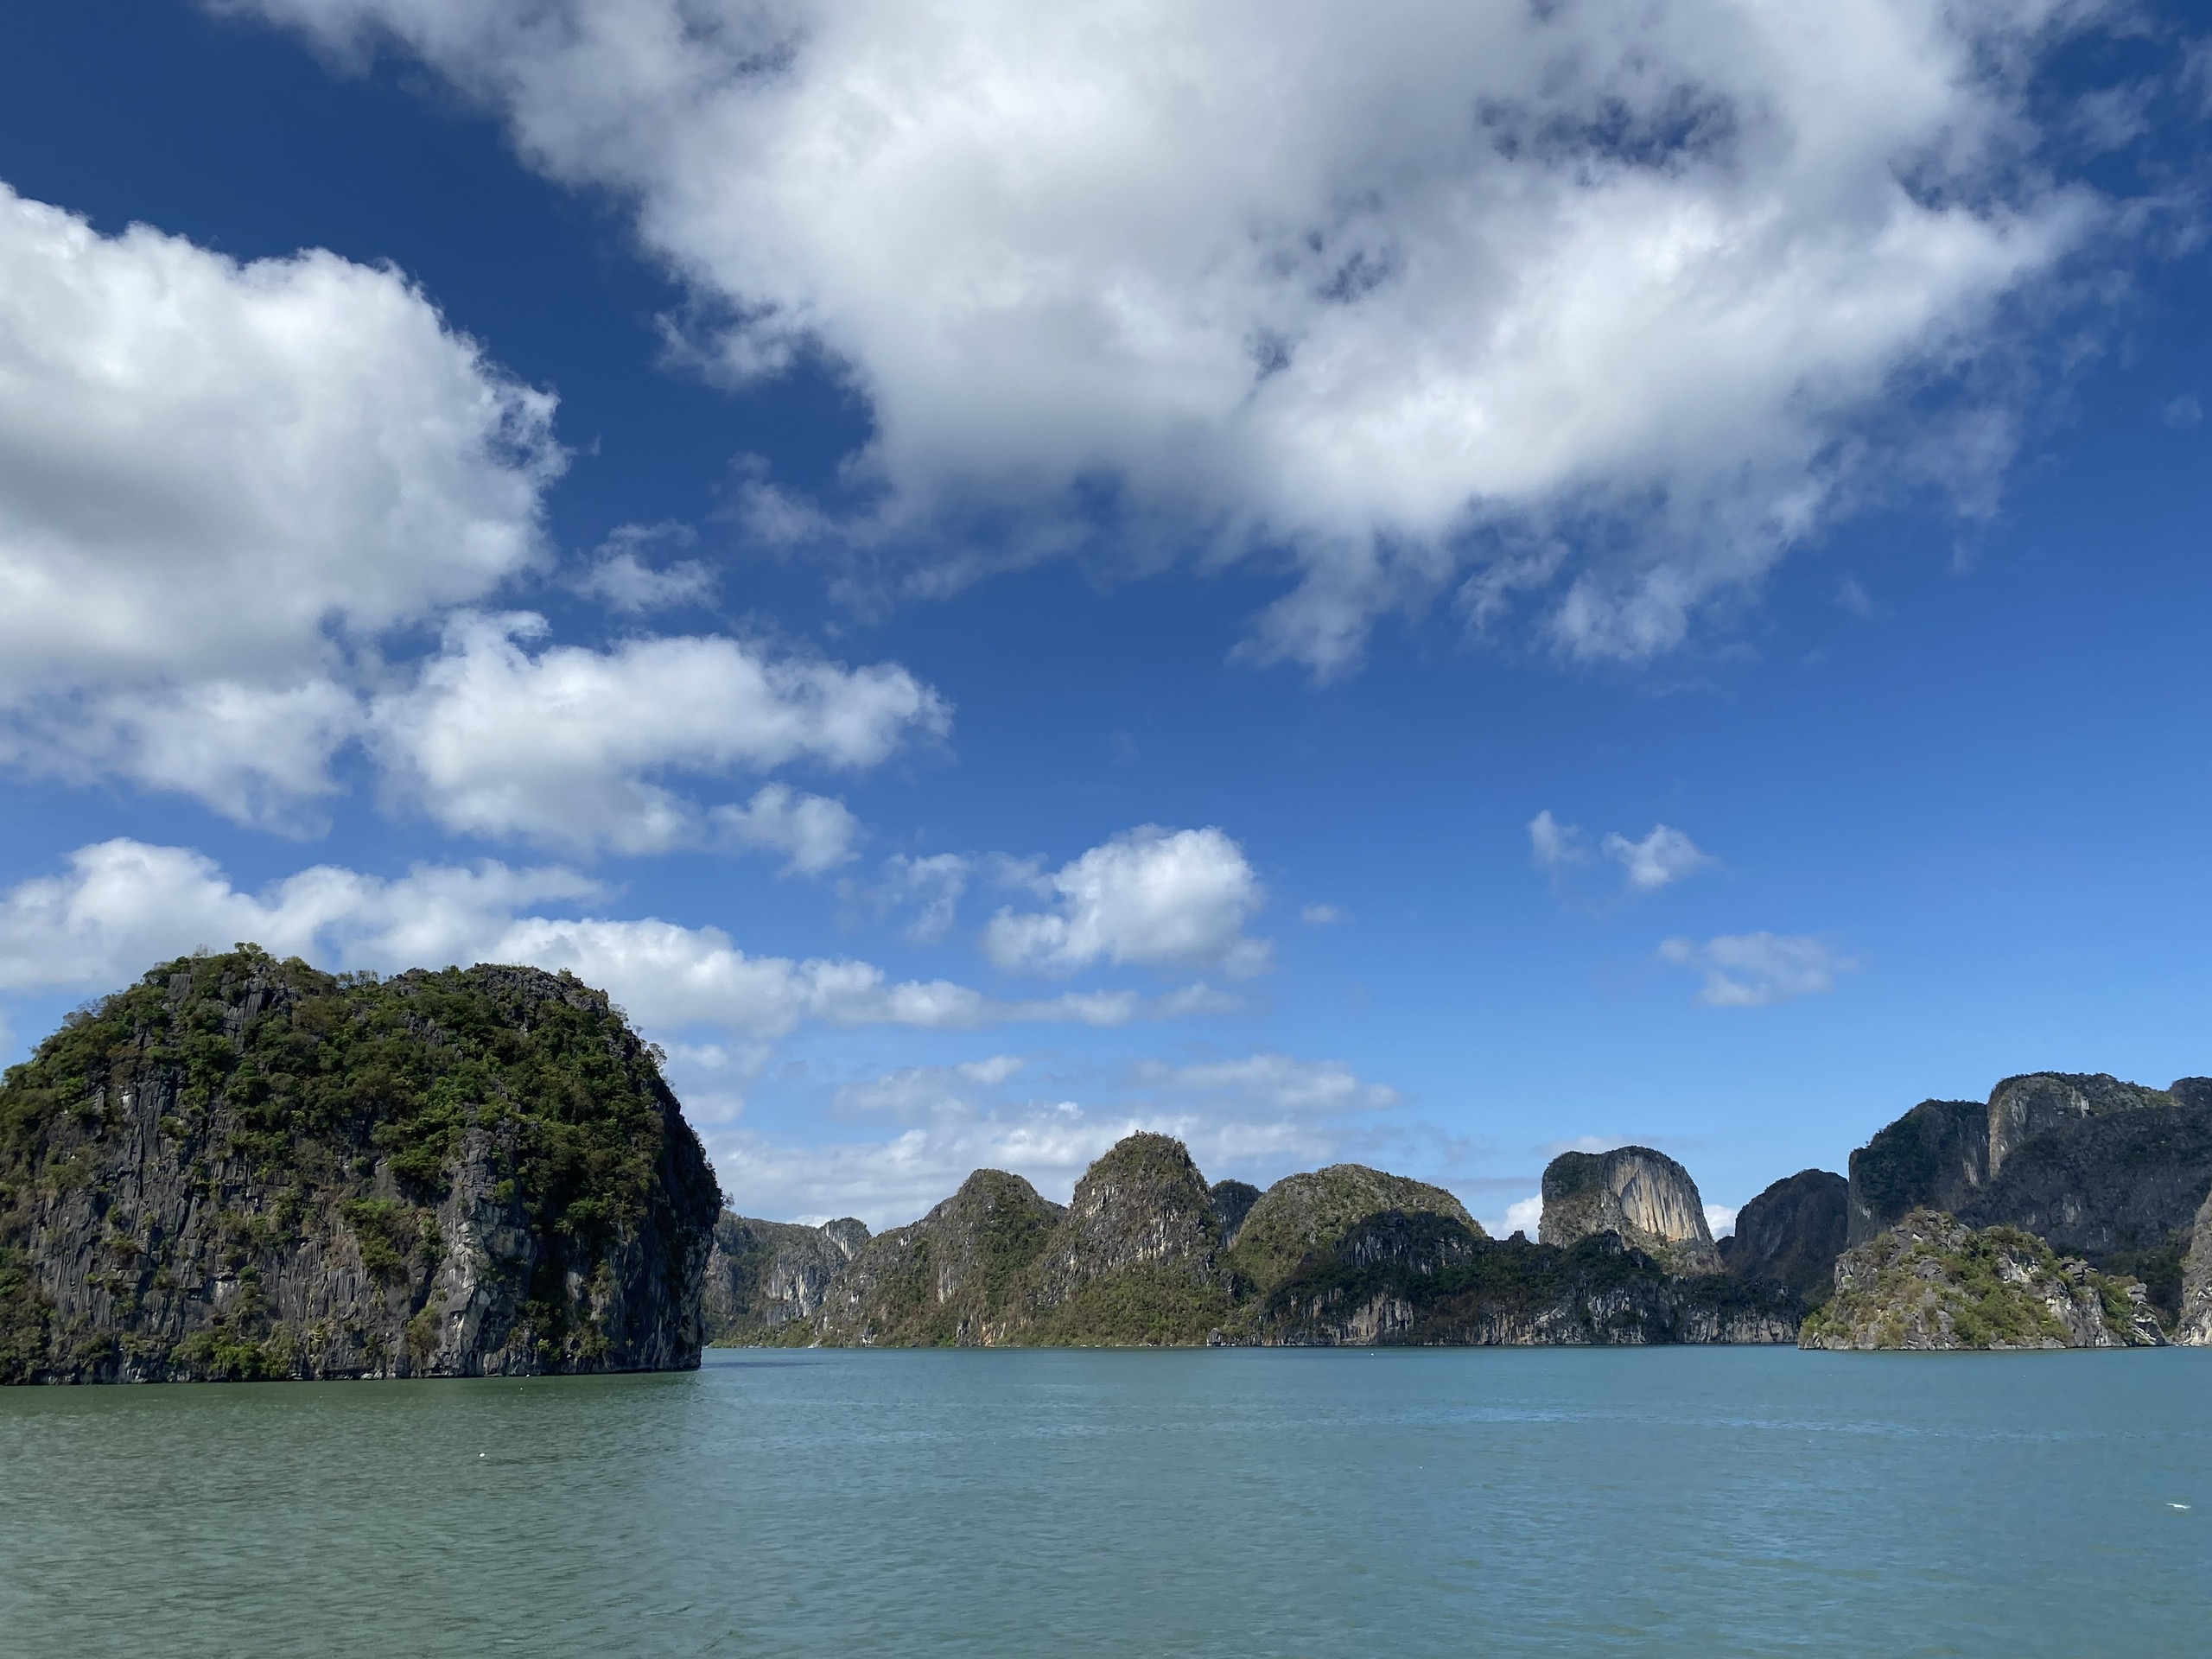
1644,1196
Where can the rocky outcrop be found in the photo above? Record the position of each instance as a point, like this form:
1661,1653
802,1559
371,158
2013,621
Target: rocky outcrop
241,1167
1232,1202
1645,1196
2065,1156
1426,1280
2109,1171
2193,1320
1136,1258
1933,1282
1307,1216
1791,1234
1937,1156
762,1274
956,1278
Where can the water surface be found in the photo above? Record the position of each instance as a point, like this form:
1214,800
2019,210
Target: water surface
1347,1503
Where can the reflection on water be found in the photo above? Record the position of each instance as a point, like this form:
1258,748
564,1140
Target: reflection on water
1349,1503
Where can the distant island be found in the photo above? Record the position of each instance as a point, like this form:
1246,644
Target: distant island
243,1168
2067,1210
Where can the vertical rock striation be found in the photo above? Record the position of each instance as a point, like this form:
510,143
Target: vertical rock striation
1644,1196
763,1274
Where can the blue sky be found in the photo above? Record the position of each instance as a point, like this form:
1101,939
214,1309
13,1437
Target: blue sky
1423,593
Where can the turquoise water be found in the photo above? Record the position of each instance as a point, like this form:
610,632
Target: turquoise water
1685,1501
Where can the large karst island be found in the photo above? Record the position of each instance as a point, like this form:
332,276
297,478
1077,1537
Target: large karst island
244,1168
241,1167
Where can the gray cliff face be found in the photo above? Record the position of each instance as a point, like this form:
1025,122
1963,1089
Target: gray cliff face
1644,1196
1791,1234
190,1209
1937,1156
2022,1107
763,1274
1955,1157
1930,1282
2193,1329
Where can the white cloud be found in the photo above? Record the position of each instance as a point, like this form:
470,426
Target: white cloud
1274,1083
932,887
123,906
569,746
1394,288
1721,1219
1553,845
1265,1115
1158,897
818,834
1663,856
1324,915
620,574
1522,1216
218,484
1754,970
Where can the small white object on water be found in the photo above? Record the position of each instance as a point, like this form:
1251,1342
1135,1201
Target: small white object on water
2182,1506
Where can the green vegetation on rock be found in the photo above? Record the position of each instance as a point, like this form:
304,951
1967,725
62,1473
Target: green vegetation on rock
1304,1215
1932,1282
242,1167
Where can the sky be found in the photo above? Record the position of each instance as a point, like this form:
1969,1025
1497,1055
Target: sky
1426,586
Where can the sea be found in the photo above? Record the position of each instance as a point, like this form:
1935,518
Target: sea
1347,1502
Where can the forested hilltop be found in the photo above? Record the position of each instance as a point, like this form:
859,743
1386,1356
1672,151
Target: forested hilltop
242,1167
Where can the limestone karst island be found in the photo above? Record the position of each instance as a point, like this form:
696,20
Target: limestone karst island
243,1168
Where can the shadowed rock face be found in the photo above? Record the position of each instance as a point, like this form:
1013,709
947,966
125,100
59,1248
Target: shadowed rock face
1936,1157
1232,1202
1644,1196
242,1167
1791,1234
762,1274
1302,1214
1427,1280
2022,1107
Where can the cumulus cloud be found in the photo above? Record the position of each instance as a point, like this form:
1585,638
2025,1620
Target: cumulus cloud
1158,897
620,575
817,834
1262,1115
569,746
122,906
1755,970
1663,857
1403,291
217,482
1553,845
